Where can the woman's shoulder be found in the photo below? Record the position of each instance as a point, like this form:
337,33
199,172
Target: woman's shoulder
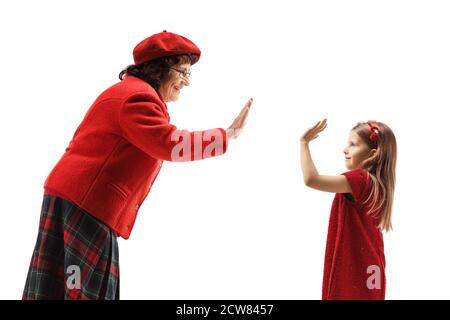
131,86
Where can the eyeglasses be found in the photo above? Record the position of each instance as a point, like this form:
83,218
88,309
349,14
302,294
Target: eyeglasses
184,73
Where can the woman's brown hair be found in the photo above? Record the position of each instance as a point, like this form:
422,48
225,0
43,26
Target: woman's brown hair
154,71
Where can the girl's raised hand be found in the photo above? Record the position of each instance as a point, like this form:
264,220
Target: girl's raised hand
313,132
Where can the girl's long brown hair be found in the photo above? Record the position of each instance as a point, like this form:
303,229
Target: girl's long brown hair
381,167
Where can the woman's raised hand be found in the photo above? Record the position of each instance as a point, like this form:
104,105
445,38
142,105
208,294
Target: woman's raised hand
235,129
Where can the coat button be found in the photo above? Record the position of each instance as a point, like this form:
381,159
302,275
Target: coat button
136,206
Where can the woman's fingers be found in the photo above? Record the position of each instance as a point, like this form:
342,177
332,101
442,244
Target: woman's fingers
244,117
240,120
246,107
249,103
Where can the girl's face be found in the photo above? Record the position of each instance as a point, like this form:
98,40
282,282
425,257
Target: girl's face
175,80
356,152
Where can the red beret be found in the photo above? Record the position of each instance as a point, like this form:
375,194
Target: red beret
164,44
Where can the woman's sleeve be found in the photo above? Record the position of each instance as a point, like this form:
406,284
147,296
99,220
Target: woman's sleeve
358,180
144,124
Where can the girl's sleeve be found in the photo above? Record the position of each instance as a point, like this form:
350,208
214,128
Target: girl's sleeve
358,180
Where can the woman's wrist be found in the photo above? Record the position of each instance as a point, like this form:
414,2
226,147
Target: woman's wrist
230,133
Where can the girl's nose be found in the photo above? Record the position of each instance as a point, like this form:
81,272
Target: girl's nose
186,81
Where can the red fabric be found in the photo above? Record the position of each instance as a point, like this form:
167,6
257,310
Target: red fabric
164,44
117,151
354,244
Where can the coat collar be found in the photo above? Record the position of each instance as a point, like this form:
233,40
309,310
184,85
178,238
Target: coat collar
154,93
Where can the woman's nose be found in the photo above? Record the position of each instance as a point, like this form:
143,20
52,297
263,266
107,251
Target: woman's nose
186,81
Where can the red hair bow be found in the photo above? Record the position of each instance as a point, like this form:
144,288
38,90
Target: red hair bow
375,135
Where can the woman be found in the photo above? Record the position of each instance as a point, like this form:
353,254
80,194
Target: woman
94,192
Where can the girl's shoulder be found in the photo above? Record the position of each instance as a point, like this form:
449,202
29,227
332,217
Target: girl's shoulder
359,181
363,173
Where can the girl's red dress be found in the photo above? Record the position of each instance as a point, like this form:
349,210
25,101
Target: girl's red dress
354,257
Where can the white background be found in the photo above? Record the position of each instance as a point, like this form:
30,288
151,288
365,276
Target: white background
241,226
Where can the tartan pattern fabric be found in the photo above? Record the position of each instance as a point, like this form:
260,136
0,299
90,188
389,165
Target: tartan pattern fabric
75,257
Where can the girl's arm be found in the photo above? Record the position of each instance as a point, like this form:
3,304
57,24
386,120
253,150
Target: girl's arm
312,178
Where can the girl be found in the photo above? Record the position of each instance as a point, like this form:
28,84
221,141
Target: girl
362,207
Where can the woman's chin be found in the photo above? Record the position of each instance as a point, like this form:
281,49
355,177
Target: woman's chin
174,97
171,99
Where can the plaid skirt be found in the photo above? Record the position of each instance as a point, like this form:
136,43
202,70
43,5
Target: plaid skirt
75,257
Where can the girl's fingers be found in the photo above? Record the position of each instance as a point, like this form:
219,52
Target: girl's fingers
322,128
313,132
313,128
323,125
316,130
